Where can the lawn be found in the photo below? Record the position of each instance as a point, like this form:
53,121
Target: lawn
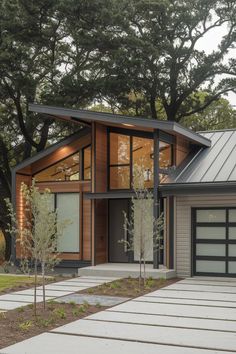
9,283
12,281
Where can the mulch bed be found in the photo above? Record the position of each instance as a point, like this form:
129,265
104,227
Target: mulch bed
20,324
129,287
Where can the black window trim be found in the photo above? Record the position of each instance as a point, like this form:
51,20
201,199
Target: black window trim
225,241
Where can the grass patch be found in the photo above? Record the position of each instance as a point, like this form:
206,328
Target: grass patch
11,281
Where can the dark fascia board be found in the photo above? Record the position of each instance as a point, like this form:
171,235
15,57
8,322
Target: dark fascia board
197,188
142,122
109,195
51,149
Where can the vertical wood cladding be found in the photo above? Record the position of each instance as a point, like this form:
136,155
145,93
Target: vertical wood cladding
182,150
99,185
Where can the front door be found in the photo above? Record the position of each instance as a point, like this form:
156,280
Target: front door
118,252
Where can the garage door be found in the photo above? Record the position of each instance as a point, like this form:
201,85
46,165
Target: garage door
214,241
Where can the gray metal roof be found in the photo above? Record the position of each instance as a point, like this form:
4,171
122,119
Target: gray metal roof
210,165
108,118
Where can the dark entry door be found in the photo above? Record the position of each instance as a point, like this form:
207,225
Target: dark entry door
117,251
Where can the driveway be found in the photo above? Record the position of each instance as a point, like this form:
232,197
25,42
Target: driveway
193,316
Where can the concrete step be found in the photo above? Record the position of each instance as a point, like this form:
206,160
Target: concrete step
125,270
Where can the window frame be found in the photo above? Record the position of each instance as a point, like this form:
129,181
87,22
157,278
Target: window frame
164,137
81,167
55,194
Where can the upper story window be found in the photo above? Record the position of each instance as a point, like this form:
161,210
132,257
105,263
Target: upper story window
130,152
71,168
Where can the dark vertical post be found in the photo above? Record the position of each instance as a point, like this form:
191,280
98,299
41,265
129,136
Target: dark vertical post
156,206
170,206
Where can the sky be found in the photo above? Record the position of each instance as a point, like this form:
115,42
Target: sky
209,43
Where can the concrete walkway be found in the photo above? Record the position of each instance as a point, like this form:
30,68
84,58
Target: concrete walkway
21,298
193,316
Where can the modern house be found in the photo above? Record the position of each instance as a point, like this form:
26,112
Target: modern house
193,178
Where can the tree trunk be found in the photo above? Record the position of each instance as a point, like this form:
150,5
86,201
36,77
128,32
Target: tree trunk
144,272
43,278
35,286
153,107
140,271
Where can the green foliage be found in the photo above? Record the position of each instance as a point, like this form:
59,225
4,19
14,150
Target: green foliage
218,115
60,312
25,326
75,312
38,236
115,285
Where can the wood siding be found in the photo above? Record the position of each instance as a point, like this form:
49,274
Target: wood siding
183,230
182,149
99,185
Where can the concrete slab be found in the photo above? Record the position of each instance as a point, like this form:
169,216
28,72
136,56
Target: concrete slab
160,335
64,288
195,287
81,283
94,279
187,301
49,293
209,282
22,298
11,305
164,321
72,285
49,343
192,295
177,310
102,300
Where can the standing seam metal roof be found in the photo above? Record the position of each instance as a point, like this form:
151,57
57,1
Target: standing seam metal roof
214,164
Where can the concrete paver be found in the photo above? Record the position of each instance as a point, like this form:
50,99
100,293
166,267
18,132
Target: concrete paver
189,317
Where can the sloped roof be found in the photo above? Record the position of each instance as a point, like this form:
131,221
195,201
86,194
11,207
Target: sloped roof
87,116
212,165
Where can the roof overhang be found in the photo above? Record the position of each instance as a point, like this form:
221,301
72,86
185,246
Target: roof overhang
197,188
109,119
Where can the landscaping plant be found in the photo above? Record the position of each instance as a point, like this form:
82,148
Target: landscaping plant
37,231
143,230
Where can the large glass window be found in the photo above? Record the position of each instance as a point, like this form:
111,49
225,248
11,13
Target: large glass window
68,208
68,169
128,153
142,153
119,161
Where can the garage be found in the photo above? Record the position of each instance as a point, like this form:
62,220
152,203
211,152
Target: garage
214,241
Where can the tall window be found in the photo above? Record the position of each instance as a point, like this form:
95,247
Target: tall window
128,153
119,161
142,153
68,208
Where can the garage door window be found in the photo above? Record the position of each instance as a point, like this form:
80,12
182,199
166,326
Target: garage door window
214,241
